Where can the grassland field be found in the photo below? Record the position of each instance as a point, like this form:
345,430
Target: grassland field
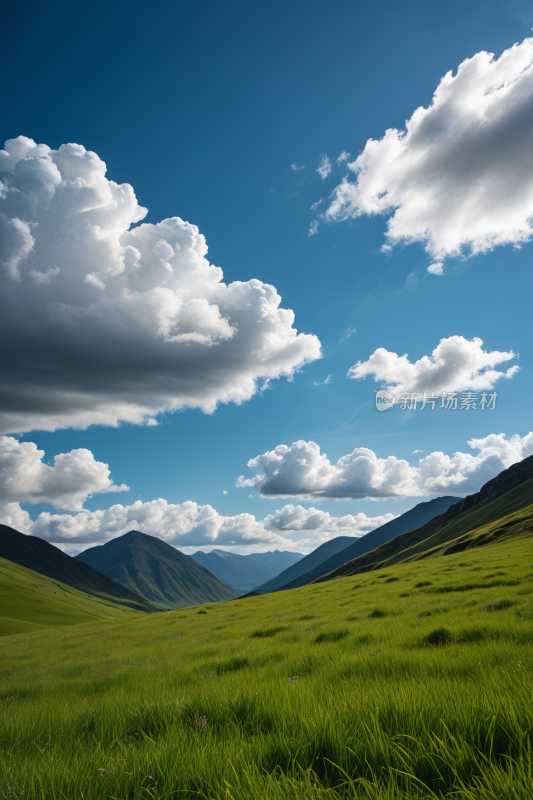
414,681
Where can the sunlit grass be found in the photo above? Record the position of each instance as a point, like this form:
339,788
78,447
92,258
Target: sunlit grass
361,687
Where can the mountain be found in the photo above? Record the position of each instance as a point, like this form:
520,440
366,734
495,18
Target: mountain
413,518
29,601
157,571
42,557
306,563
246,572
502,508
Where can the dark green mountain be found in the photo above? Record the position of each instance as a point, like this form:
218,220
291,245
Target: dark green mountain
246,572
40,556
156,570
329,555
503,507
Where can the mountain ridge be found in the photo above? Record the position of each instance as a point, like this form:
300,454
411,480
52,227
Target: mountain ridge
357,545
40,556
157,571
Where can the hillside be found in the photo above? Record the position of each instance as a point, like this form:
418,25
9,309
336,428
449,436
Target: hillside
42,557
500,515
412,683
309,569
307,563
157,571
30,601
246,572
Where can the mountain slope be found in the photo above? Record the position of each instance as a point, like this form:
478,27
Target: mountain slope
489,519
245,572
306,564
42,557
156,570
29,601
411,519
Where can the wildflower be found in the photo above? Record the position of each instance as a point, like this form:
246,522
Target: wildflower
201,721
294,679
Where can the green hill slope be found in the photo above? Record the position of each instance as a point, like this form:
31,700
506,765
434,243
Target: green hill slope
410,683
30,601
309,572
42,557
483,522
159,572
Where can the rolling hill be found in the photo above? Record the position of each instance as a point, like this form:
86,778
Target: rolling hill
246,572
29,601
34,553
494,512
157,571
327,558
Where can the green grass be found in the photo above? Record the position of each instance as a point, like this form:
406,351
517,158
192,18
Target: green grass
306,694
31,602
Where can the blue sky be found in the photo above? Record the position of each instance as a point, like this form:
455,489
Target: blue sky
202,108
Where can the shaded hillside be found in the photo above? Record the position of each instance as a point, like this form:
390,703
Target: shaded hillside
40,556
442,537
246,572
156,570
413,518
513,476
307,563
29,601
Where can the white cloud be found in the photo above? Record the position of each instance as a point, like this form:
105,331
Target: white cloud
456,364
296,167
108,322
344,156
415,452
313,228
459,178
302,471
224,491
436,268
324,382
315,205
74,477
190,525
324,168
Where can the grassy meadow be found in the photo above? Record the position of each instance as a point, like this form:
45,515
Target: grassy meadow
415,681
30,601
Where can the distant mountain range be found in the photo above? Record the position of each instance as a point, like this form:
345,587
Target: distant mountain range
42,557
246,572
40,586
338,551
157,571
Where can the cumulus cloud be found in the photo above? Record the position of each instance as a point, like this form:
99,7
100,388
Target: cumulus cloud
313,228
459,178
110,322
324,168
344,156
190,525
315,205
296,167
302,471
456,364
74,477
